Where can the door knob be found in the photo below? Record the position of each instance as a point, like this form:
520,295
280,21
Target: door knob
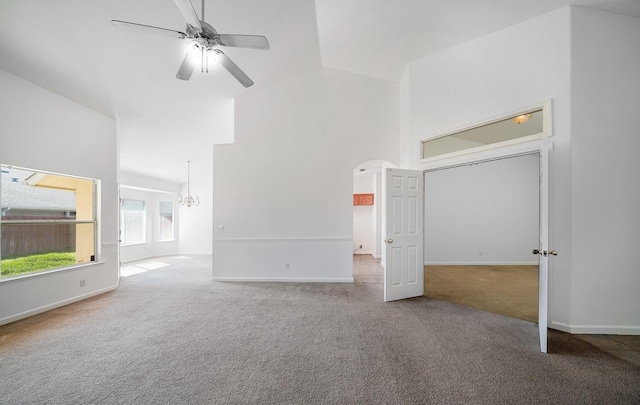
389,240
544,252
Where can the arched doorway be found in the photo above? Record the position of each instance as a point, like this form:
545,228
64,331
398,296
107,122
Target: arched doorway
367,221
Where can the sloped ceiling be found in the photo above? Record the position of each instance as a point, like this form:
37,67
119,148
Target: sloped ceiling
71,48
379,38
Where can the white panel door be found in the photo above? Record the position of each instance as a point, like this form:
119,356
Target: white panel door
404,265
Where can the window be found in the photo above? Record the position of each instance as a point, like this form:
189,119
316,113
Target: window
133,222
166,221
517,128
47,221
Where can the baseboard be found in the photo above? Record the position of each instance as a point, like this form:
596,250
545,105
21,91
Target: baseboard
55,305
595,329
362,252
376,256
481,264
284,280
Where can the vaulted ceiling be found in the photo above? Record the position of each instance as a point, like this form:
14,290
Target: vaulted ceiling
71,48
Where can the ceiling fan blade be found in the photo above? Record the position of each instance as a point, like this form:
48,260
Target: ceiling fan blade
233,68
189,14
148,29
244,41
187,67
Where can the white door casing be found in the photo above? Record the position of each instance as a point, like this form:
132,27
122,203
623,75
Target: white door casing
543,265
404,264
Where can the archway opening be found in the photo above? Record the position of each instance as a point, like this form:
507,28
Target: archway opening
367,221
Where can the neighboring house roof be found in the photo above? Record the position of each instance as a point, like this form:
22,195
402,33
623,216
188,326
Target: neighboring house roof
15,193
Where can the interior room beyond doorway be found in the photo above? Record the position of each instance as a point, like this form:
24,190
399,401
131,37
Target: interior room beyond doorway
367,221
481,224
367,270
510,290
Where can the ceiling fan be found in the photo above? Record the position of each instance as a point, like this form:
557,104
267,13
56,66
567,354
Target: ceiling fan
205,39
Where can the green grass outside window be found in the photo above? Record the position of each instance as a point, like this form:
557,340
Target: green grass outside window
28,264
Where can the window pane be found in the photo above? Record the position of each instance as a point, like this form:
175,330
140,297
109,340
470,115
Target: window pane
39,227
26,197
166,221
85,243
133,222
29,248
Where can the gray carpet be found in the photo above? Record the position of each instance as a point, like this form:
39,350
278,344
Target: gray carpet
172,336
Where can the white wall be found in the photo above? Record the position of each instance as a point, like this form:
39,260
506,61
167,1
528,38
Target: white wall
286,182
364,216
586,62
135,180
486,78
153,246
483,214
196,223
605,96
41,130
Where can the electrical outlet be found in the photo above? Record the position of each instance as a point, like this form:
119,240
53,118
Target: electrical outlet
83,283
287,265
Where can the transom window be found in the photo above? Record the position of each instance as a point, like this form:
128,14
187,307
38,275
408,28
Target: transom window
514,129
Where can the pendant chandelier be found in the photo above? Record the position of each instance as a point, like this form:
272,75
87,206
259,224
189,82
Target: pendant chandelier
189,200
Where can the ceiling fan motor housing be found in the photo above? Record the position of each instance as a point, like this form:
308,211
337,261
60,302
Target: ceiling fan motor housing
207,37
